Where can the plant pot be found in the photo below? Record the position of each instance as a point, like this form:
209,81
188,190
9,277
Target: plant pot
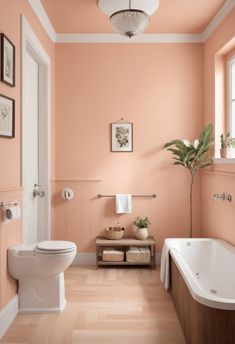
225,153
141,233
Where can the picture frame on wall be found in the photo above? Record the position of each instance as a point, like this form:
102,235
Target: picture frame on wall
121,137
7,117
7,61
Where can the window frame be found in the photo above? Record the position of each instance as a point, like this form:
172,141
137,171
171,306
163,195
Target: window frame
230,100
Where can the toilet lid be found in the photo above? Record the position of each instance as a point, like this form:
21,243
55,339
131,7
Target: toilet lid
55,246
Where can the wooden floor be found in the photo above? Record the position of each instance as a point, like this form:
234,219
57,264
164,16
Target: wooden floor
108,305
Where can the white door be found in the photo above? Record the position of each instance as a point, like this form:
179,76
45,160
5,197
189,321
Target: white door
35,157
33,193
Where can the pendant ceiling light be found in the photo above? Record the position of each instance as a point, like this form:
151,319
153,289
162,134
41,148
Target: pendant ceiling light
129,22
131,17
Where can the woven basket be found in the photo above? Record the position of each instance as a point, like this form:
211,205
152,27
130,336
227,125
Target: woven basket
113,255
112,233
138,255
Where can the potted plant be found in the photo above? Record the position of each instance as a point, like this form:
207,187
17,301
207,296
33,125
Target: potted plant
192,156
142,227
227,146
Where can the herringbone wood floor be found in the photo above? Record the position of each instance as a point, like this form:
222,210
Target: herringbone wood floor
110,305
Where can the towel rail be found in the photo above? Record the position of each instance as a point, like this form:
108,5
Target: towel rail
136,196
5,204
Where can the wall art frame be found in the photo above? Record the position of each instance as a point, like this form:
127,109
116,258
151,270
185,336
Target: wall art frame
7,61
7,117
122,136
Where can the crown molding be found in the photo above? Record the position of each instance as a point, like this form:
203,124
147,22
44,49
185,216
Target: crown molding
43,18
115,38
219,17
144,38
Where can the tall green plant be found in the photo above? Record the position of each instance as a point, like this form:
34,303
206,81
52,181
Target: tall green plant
192,156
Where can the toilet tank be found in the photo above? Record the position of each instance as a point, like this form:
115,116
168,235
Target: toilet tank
20,259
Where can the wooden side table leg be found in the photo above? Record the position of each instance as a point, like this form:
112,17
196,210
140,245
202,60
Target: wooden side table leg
153,258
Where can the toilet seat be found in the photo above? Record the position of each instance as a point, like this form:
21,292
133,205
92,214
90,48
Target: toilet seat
55,247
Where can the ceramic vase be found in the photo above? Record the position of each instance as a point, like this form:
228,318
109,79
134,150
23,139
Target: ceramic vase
141,233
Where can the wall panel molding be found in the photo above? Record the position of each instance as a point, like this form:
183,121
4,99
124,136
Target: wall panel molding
11,189
218,173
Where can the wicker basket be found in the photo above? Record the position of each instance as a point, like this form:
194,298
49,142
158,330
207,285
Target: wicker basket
112,255
138,255
114,233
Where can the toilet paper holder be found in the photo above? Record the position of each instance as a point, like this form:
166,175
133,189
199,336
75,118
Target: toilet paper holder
67,194
6,204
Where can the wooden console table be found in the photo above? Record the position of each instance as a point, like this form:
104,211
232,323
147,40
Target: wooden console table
125,242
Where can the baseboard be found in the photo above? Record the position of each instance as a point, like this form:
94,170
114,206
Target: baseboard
90,259
8,314
84,259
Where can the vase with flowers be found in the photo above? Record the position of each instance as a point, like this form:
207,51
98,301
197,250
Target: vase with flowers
142,227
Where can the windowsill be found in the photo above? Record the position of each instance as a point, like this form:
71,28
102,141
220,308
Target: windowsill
224,161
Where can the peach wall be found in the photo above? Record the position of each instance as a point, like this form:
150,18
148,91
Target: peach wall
158,87
10,174
217,218
10,234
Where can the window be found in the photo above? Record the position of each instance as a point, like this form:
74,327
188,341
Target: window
231,95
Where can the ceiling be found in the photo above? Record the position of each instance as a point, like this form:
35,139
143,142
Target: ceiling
173,16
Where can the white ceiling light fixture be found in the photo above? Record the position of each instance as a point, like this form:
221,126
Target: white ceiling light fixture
129,17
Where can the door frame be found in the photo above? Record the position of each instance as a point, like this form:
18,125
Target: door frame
30,43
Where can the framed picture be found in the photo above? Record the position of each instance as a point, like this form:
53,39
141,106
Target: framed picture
7,61
7,117
121,137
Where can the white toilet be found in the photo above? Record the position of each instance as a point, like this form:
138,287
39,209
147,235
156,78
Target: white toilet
40,270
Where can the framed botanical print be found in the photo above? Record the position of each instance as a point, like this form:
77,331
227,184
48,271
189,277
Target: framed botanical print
7,117
7,61
121,137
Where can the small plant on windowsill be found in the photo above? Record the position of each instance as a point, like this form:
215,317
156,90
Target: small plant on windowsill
142,227
227,146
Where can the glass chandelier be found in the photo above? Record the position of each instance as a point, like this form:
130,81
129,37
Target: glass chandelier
129,22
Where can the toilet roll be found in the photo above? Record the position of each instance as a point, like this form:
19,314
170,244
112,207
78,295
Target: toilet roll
11,213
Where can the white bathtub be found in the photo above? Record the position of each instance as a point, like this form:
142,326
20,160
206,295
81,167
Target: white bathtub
208,268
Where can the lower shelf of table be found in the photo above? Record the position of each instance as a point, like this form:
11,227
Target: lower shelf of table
99,263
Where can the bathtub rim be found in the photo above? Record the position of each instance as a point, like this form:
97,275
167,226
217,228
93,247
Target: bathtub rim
193,285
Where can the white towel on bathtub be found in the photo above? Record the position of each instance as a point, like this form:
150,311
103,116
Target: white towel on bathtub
165,265
123,204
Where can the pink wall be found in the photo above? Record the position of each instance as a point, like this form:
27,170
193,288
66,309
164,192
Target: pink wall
158,87
217,218
10,183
